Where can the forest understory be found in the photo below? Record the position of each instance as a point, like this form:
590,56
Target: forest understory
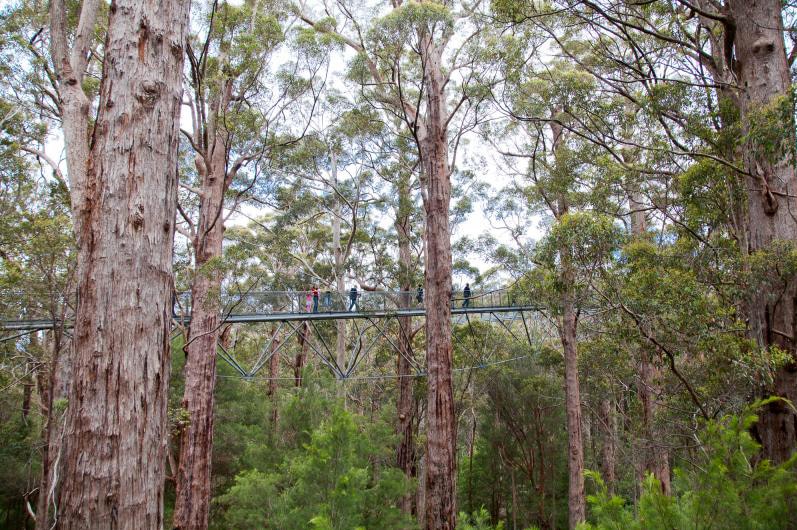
437,264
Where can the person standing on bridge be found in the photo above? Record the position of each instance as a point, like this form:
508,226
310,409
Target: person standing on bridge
308,301
353,298
315,299
419,296
466,295
327,301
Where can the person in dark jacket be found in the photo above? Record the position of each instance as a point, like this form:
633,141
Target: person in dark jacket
353,298
466,295
327,301
419,296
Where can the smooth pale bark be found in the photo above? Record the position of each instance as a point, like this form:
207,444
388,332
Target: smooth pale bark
440,495
70,66
764,77
113,448
340,267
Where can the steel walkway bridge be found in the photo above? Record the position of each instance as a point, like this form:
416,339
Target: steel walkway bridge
368,318
293,306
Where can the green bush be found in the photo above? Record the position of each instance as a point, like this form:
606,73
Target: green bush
725,488
337,482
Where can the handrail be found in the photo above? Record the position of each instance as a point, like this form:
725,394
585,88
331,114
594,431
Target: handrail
328,301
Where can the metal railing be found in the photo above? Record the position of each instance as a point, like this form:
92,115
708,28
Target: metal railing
293,302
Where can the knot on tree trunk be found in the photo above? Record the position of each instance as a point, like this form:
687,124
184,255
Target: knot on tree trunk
768,198
148,93
763,45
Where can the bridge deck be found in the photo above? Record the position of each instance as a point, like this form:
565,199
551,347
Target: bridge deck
241,318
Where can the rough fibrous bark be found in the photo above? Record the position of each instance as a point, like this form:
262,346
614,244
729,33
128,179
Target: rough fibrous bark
575,448
405,404
123,200
568,329
193,488
607,423
654,458
441,424
763,78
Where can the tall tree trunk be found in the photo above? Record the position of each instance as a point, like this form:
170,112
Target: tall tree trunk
568,329
575,448
113,449
52,385
193,488
763,73
273,382
301,356
340,269
405,404
441,432
608,427
655,457
34,351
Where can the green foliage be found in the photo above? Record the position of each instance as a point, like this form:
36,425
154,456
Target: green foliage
248,500
588,237
726,487
333,473
770,130
20,467
479,520
708,195
417,16
515,454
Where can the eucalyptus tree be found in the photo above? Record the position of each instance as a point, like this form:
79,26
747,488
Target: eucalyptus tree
332,164
735,53
556,174
640,167
38,239
409,65
238,95
400,171
358,145
121,151
37,281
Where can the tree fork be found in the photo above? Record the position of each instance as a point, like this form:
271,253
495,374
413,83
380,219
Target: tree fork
193,489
